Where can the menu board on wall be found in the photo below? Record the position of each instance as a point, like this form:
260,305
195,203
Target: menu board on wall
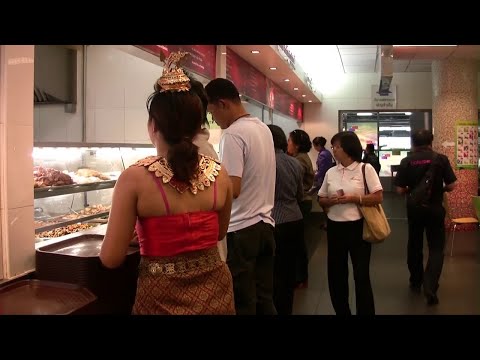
466,150
248,80
202,58
279,100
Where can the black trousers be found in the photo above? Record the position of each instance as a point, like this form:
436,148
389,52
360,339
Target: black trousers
288,238
302,256
431,220
346,238
250,259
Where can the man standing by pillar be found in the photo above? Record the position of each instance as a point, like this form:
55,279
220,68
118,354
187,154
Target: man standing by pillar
422,176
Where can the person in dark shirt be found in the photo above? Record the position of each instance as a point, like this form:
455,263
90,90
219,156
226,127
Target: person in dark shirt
431,217
288,218
371,158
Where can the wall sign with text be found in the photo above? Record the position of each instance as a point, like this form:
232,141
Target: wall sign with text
202,58
279,100
384,101
248,80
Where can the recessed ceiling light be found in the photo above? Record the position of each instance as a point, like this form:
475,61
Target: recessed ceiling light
295,89
273,68
309,100
255,52
286,80
224,53
304,95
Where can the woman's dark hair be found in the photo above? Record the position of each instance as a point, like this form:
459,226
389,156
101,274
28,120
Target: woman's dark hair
179,117
319,141
279,137
350,144
302,140
197,88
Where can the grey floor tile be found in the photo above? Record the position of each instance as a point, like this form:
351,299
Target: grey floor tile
459,291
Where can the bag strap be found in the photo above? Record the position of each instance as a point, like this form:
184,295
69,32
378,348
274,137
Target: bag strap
429,173
365,186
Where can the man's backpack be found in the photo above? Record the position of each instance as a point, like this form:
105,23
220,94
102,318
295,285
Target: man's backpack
421,194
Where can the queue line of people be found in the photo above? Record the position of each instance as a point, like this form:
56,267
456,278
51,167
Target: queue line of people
226,235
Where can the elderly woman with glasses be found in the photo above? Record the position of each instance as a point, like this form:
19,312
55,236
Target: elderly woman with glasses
341,192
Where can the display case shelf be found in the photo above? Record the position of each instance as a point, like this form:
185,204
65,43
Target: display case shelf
40,193
62,223
98,161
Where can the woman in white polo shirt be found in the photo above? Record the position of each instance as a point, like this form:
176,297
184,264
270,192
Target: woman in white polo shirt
341,192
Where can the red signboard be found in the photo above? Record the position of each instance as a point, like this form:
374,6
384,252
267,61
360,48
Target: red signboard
279,100
202,58
248,80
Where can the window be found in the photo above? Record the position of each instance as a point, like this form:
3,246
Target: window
388,131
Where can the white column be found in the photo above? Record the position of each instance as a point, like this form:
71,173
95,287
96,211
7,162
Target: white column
17,251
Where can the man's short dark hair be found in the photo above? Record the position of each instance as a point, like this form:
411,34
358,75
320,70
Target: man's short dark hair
319,141
422,137
220,88
370,147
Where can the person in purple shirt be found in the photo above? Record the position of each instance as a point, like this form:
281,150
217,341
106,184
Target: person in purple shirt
324,161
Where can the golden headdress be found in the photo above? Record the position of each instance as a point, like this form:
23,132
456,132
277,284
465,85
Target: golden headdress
173,78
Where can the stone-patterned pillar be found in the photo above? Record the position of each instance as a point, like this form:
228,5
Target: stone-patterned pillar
17,237
454,85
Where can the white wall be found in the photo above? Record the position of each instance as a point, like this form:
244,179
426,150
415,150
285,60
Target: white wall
52,123
287,123
414,91
118,85
253,109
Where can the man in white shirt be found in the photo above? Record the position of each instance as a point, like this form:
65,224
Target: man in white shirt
247,153
205,147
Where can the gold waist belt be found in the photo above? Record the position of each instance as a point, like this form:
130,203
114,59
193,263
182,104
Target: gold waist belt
182,265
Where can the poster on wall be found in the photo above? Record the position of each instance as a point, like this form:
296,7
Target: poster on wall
202,58
384,101
248,80
466,151
279,100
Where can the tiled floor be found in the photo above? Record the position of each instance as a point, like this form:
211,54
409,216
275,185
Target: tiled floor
459,291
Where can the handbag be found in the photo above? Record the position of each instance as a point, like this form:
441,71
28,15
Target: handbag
375,224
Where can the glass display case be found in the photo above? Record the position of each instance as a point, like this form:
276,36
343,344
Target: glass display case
73,184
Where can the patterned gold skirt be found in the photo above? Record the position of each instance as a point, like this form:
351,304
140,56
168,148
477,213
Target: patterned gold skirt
195,283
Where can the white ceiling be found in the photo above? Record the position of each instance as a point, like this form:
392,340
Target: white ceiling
364,58
267,58
358,58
